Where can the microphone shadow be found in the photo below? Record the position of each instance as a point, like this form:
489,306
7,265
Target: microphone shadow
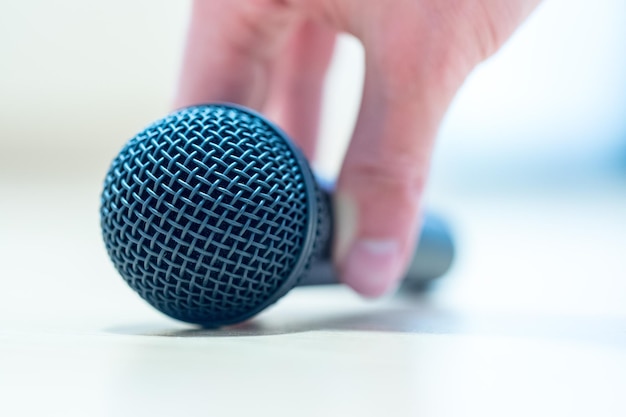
414,316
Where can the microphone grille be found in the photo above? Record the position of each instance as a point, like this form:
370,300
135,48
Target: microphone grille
206,214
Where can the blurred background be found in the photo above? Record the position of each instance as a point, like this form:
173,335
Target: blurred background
530,171
78,79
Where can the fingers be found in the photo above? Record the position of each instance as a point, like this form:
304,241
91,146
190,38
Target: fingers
246,51
409,84
297,81
229,51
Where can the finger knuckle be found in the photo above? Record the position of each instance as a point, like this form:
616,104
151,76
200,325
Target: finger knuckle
400,176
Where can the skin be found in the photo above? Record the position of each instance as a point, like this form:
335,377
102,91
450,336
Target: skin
273,55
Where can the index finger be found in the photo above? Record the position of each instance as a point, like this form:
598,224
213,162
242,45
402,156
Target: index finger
229,49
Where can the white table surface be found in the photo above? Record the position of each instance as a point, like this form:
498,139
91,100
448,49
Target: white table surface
531,321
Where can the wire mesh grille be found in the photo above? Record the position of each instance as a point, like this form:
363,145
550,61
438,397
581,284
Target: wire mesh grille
205,214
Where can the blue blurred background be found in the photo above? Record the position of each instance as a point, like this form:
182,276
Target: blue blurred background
548,110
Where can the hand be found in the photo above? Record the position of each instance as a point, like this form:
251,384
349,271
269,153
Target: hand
273,55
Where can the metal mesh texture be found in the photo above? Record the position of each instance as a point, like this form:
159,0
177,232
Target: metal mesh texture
206,212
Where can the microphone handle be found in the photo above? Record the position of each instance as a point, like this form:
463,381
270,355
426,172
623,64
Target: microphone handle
433,255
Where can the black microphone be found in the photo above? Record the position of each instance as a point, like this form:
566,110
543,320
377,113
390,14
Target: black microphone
211,215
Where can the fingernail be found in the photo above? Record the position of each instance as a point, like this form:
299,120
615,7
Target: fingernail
372,267
345,212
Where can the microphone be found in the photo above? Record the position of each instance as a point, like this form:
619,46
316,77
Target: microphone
211,215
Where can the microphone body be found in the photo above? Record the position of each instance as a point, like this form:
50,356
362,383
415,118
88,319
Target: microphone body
211,215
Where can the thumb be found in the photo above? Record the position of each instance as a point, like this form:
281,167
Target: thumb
418,53
377,201
380,187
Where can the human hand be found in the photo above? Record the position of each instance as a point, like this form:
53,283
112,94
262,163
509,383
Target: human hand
272,55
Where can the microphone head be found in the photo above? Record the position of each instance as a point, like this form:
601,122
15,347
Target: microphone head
211,214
